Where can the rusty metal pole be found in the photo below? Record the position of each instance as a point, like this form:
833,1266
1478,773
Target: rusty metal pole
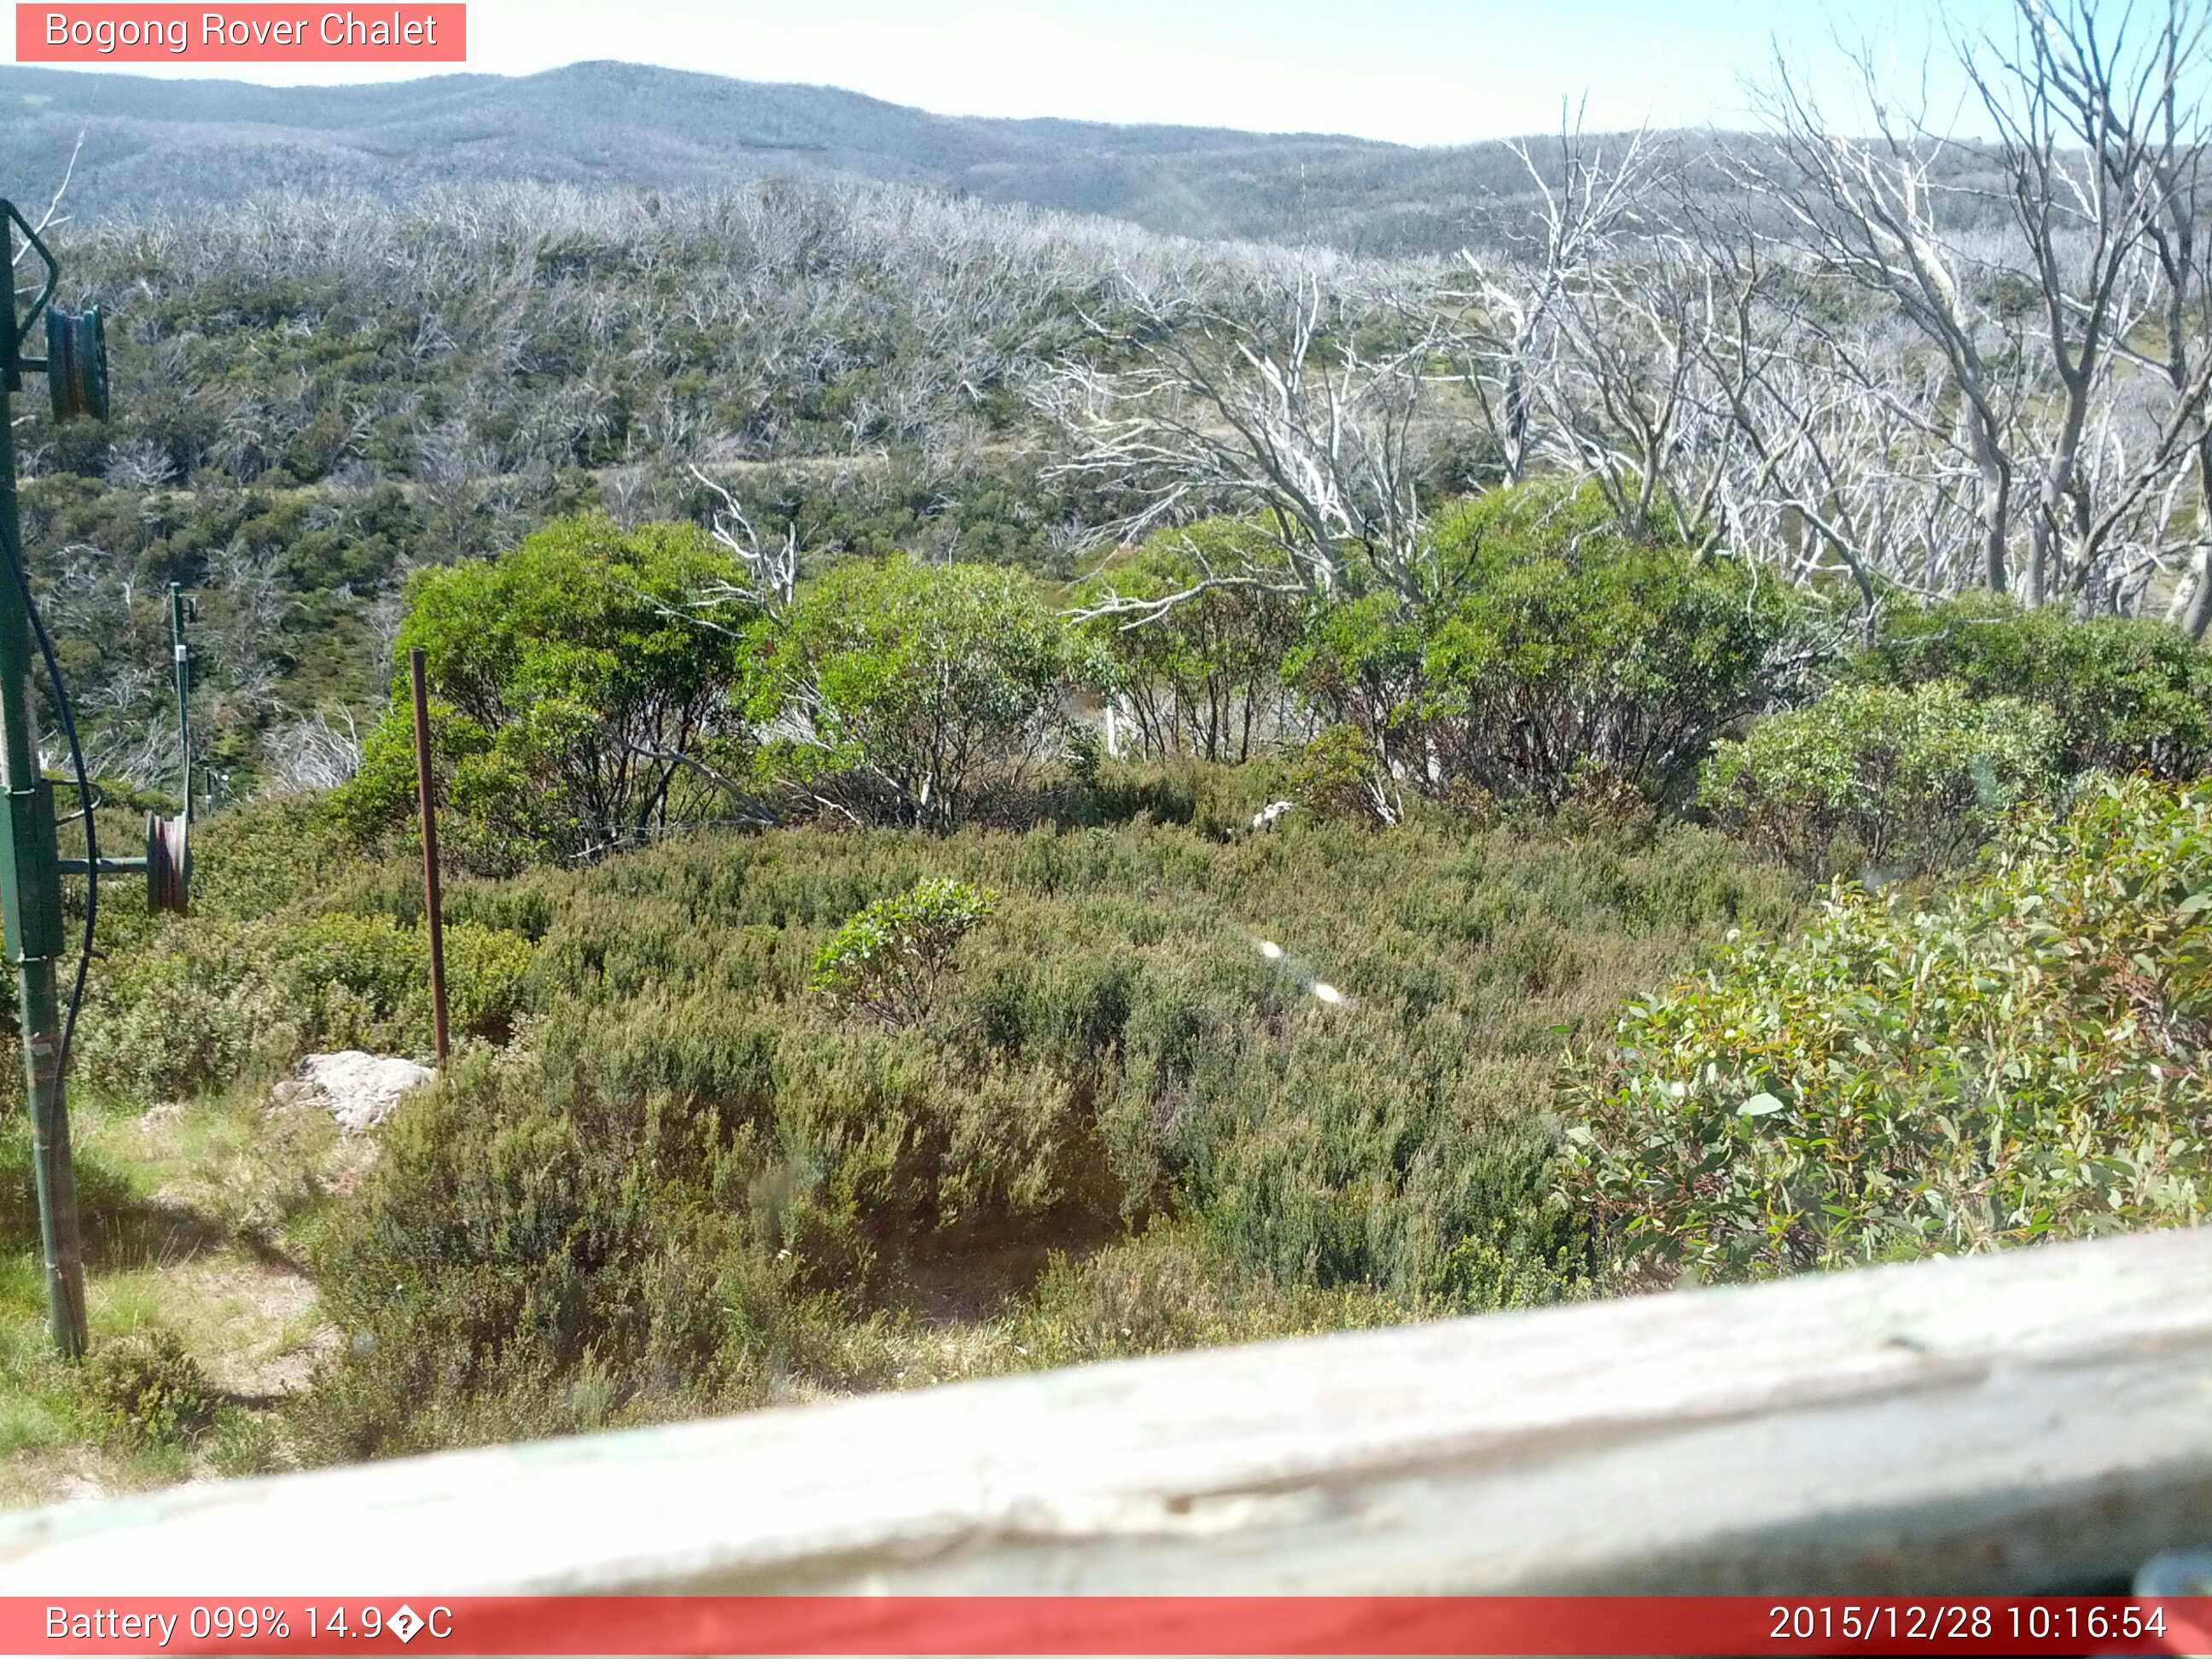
427,796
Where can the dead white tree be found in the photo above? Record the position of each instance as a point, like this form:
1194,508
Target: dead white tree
1846,467
2073,337
2098,131
1296,397
1501,314
53,214
1643,391
771,568
1869,210
315,751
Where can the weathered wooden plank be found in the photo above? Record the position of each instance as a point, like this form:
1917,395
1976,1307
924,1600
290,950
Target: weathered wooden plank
2038,1421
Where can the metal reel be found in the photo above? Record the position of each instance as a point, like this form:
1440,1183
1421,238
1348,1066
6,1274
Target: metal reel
168,863
76,363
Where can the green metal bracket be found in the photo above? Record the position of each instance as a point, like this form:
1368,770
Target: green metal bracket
30,861
31,904
12,331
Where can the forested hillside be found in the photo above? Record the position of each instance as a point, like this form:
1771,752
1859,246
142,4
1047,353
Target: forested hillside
311,404
172,148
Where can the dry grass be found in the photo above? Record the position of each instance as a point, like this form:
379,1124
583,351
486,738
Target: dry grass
196,1216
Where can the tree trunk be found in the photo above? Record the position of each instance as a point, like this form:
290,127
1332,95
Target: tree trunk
2197,611
1997,514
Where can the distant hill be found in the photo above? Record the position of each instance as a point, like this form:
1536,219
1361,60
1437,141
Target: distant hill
154,145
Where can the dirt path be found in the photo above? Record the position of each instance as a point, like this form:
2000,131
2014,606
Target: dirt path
264,1332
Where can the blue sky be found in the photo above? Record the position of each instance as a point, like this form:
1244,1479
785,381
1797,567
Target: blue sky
1415,71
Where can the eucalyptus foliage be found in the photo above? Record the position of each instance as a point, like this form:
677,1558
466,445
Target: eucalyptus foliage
896,691
1207,614
584,685
1885,777
2129,694
888,958
1574,650
2023,1057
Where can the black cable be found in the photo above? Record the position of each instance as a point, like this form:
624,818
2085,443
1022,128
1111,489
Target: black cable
13,554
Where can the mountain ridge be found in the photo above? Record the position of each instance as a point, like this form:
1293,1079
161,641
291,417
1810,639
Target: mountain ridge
162,146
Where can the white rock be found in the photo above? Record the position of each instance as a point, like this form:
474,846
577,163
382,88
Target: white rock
360,1091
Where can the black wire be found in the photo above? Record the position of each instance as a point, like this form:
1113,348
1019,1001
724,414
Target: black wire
14,553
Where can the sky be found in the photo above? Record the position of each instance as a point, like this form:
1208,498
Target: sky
1411,71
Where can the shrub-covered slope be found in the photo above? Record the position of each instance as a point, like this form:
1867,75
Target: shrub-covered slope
689,1179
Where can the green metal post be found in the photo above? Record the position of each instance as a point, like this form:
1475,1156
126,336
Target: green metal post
30,880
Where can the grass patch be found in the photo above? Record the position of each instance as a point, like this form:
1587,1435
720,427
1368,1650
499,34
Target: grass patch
193,1217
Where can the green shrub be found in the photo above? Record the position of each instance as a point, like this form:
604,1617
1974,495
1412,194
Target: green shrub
266,856
584,687
241,1443
1203,677
889,959
1216,802
1358,663
201,1004
898,692
147,1390
363,982
2022,1059
1177,1286
694,1185
1573,654
1884,775
182,1015
1340,775
2129,695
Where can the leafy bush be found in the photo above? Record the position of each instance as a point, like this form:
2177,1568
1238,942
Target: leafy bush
1574,654
363,982
890,958
200,1005
182,1016
584,684
2023,1059
147,1389
254,859
1216,802
1203,676
904,693
1358,663
1177,1286
1340,775
2129,695
1884,775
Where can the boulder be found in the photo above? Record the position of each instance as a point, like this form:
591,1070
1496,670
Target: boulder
360,1091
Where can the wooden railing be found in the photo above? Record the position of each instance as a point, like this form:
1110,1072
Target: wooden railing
2038,1421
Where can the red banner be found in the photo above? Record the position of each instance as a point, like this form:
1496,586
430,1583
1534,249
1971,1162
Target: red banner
304,34
1103,1624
